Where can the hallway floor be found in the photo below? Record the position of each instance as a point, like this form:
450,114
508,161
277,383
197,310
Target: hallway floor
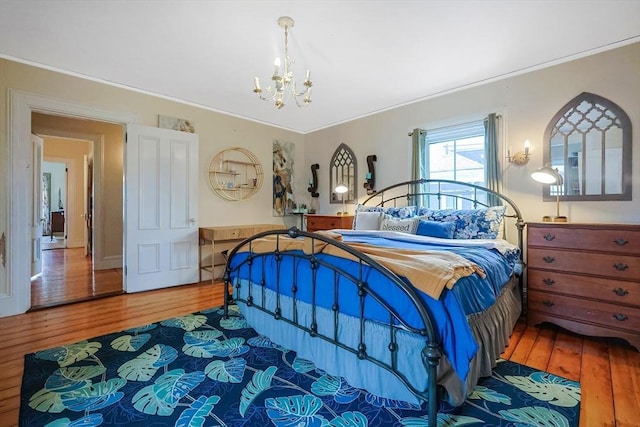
67,276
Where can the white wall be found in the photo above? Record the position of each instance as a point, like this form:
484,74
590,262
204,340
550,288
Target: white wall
216,131
527,103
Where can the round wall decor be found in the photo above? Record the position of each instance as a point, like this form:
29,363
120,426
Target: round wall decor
235,174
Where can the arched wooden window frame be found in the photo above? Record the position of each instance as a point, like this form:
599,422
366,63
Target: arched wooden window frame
621,119
343,169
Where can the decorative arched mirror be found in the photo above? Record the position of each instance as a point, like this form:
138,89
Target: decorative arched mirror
589,143
344,170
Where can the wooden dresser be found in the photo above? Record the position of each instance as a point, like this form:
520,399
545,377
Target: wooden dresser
57,222
585,278
223,238
328,222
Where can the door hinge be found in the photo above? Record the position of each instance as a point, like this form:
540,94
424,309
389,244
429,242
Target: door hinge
125,270
126,137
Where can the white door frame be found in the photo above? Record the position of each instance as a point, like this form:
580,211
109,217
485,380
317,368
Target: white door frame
15,297
100,260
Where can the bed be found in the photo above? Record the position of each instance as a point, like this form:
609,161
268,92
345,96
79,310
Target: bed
414,304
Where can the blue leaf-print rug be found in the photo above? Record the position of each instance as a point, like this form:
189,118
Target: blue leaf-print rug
202,370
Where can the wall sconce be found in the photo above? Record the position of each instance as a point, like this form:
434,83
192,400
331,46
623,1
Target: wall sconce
521,157
547,175
370,179
342,189
313,182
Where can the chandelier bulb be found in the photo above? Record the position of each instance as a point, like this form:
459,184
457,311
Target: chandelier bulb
276,67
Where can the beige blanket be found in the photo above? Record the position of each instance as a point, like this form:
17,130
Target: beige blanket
428,271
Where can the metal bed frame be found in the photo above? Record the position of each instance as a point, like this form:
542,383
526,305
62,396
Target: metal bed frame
397,195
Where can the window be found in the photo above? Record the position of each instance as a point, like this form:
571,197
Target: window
455,153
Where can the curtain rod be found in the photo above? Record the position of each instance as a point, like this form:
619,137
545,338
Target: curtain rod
498,116
420,130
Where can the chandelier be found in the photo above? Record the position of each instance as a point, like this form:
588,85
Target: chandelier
284,84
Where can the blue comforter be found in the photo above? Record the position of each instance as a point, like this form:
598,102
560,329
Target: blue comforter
470,295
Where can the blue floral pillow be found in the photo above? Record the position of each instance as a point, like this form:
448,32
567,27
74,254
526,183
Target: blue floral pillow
396,212
470,223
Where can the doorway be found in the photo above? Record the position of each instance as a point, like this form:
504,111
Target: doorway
54,201
22,105
72,271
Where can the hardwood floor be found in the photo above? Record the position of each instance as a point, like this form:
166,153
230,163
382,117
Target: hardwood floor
608,370
67,276
66,324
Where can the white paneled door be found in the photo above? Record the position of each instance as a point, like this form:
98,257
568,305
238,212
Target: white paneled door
161,214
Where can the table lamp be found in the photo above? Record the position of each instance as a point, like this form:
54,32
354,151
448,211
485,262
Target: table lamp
342,189
547,175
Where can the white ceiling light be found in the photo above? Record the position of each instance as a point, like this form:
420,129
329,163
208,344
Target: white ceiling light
285,82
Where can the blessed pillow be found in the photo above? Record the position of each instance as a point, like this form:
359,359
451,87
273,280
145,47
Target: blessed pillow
367,220
390,223
441,229
396,212
470,223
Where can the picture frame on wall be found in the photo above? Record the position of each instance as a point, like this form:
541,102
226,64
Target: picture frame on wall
174,123
283,159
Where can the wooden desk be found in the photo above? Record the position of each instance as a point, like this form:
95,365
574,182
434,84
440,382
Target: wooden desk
223,238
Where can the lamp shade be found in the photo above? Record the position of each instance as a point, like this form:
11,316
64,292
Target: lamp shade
547,175
341,189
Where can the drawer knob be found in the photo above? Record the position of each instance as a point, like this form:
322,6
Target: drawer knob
548,303
549,237
620,292
549,281
548,259
621,241
620,317
620,266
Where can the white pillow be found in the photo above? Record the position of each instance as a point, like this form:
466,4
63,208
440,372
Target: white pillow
408,225
367,220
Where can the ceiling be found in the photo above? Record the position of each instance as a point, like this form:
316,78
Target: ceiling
364,56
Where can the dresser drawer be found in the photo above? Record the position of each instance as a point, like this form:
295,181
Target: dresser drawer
607,290
609,315
328,222
608,265
608,240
